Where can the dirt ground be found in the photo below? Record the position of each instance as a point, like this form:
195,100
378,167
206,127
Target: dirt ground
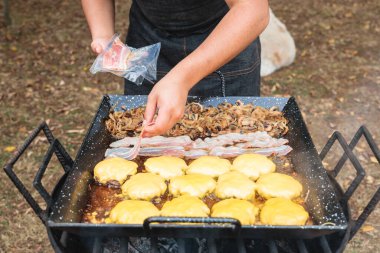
44,62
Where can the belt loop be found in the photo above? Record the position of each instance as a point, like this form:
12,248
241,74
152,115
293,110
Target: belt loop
223,82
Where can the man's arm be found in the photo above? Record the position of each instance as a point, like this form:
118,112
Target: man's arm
100,15
243,23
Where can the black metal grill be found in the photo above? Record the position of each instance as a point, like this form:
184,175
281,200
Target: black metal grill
63,241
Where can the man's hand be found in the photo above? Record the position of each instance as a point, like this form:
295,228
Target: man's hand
99,44
169,97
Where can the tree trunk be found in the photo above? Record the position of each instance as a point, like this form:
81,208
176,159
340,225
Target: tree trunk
7,16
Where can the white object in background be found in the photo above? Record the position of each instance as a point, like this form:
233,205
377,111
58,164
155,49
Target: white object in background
277,46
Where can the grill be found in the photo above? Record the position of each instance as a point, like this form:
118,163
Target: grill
327,202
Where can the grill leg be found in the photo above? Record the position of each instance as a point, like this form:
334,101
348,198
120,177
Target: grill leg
181,245
325,245
154,245
211,245
123,244
272,247
97,245
63,239
240,245
301,246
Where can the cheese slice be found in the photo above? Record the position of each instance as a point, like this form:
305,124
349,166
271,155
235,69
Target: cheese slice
274,185
166,166
132,212
185,206
196,185
234,184
242,210
253,165
209,165
280,211
114,170
144,186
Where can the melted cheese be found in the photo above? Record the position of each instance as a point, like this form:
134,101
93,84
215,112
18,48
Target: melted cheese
280,211
114,169
209,165
185,206
235,185
242,210
253,165
144,186
166,166
194,185
132,212
278,185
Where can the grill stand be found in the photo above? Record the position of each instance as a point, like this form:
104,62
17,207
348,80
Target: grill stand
64,242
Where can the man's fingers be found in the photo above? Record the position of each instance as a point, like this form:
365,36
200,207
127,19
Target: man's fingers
98,49
162,124
150,109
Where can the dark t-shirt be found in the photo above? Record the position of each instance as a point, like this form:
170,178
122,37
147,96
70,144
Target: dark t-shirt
183,16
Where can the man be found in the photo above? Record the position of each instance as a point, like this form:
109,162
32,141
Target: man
208,48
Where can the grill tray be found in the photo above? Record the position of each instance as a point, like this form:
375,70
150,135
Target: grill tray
70,197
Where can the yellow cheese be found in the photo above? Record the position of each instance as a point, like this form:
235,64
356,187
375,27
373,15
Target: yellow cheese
278,185
166,166
194,185
253,165
132,212
280,211
114,169
144,186
242,210
185,206
235,185
209,165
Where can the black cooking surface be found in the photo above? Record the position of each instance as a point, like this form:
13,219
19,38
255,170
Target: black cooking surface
66,213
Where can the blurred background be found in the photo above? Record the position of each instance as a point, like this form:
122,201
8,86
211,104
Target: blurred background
45,58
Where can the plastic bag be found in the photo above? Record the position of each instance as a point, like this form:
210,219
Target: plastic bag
134,64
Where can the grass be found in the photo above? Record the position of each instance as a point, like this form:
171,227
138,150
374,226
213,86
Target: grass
44,61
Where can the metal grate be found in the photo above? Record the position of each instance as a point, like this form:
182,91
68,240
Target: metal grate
64,242
326,244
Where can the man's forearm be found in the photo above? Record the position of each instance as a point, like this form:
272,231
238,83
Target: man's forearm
239,27
100,15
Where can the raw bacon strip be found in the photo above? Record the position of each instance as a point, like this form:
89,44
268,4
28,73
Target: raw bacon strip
196,153
199,144
155,141
149,151
280,151
178,151
232,151
115,58
125,142
256,140
227,152
268,143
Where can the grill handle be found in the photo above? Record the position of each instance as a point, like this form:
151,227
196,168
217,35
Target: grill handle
63,157
235,224
360,172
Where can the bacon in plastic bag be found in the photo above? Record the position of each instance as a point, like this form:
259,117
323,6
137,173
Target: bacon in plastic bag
128,62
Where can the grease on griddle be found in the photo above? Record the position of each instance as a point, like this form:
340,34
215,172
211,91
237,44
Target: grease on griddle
104,198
